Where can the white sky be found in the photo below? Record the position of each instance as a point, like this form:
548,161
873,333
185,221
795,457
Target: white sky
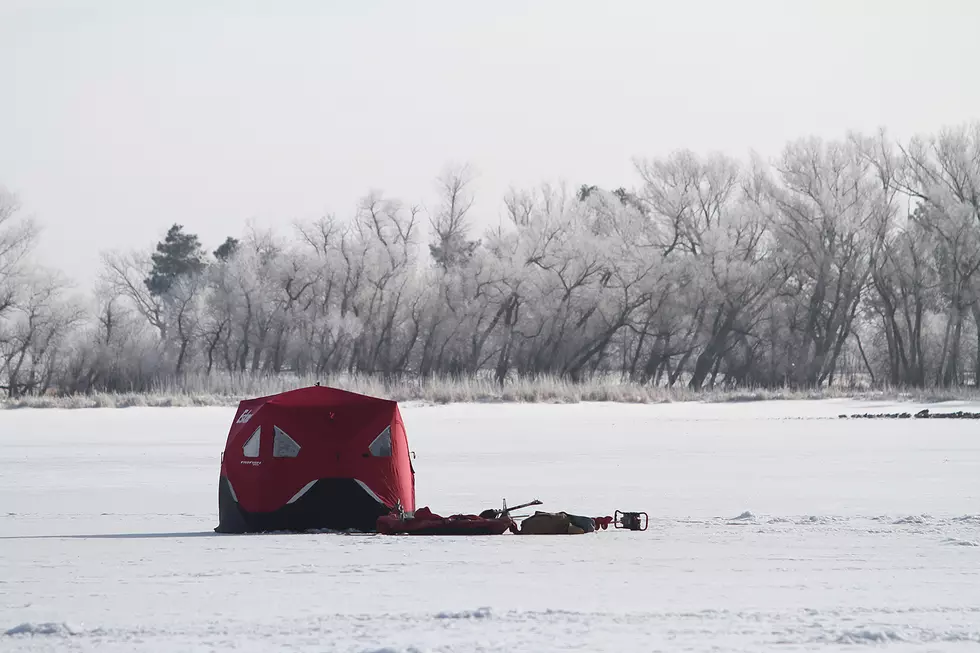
119,118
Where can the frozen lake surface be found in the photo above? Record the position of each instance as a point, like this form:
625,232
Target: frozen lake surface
773,526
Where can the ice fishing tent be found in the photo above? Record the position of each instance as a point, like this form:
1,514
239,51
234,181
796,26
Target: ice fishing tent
311,458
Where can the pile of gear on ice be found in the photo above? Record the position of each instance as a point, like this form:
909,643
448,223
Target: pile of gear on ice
321,458
497,522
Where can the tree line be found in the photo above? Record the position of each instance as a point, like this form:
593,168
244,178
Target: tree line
838,262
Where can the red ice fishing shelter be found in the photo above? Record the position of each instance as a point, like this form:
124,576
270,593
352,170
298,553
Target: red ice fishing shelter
312,458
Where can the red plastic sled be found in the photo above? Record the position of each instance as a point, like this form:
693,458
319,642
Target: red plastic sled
426,522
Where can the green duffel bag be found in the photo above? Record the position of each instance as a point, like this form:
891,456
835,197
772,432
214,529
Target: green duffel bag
585,523
546,523
556,523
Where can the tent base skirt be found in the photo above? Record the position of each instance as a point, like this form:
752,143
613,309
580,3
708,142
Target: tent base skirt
331,504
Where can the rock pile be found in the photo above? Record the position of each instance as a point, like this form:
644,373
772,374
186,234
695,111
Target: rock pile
922,414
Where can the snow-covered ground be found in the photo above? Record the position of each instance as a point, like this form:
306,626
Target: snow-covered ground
773,526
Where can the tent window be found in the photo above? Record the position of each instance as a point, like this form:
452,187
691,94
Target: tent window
284,446
251,448
381,447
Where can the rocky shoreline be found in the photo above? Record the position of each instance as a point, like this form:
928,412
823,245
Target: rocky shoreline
922,414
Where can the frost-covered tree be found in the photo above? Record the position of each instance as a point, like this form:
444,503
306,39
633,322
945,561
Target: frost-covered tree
451,246
383,247
18,237
905,283
329,325
36,314
942,173
711,272
32,351
831,211
115,350
125,275
713,230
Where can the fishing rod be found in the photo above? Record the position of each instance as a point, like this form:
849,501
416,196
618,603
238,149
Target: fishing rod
505,511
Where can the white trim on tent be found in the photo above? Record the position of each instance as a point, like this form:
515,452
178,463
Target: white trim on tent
369,491
303,490
381,445
284,446
251,447
231,489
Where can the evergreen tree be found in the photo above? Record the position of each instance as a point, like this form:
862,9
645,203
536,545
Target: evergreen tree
177,255
227,249
585,190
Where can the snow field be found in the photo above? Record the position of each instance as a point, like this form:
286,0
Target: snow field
773,525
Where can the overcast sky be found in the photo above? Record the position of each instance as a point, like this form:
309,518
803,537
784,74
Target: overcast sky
118,119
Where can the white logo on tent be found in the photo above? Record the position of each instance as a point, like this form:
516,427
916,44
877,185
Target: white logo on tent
284,446
251,448
245,416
